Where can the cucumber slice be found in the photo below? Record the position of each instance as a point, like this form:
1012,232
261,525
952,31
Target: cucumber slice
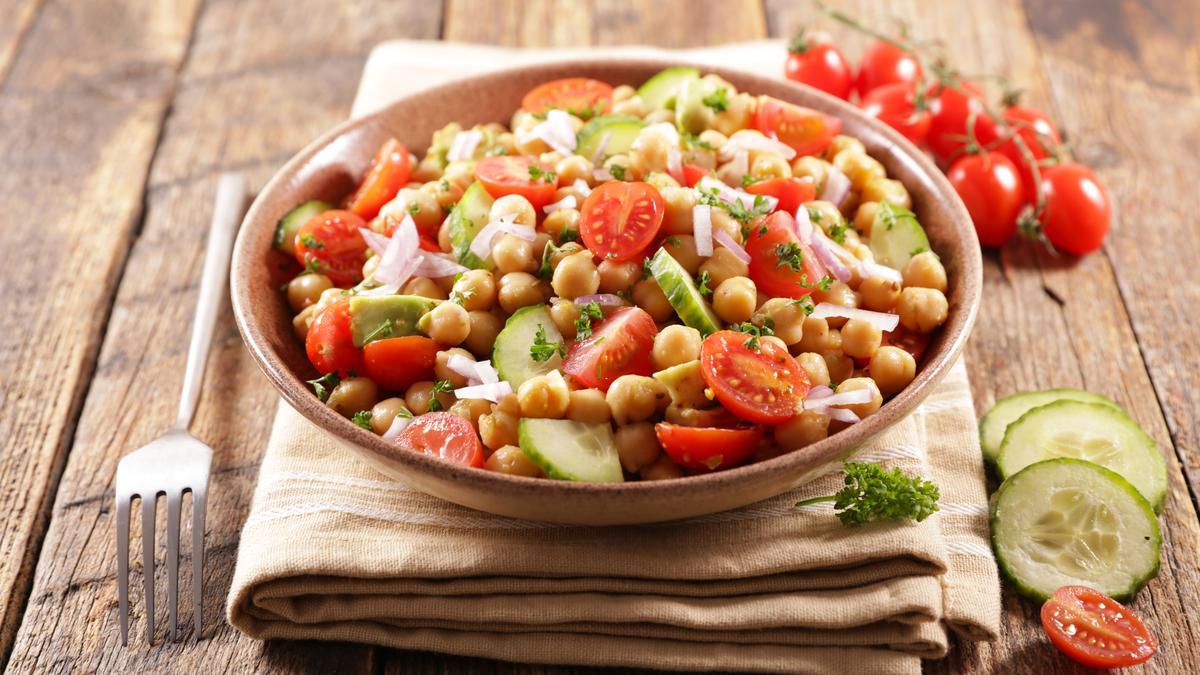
1007,410
511,356
620,130
691,114
682,293
570,450
1094,432
1066,521
375,317
896,236
469,216
659,91
285,230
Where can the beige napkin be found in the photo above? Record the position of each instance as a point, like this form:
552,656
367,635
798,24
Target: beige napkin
333,550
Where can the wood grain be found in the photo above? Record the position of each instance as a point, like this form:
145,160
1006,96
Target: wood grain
15,20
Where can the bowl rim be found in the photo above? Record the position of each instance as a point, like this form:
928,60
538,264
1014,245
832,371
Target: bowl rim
957,328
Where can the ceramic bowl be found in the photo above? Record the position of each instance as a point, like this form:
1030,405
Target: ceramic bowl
328,168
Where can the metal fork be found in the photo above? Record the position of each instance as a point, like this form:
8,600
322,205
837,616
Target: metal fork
178,462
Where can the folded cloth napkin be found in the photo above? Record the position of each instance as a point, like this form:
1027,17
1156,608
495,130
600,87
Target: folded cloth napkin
333,550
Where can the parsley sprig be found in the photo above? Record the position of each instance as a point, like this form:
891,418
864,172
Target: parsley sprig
583,325
789,255
702,284
755,331
543,350
323,386
718,100
439,387
363,419
537,173
382,331
874,493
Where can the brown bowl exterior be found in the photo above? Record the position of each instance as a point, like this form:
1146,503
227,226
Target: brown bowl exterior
327,169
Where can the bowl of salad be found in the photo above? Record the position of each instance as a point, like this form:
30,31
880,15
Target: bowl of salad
606,291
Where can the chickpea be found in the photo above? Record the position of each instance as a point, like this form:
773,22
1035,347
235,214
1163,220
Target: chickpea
544,396
657,116
370,266
863,410
787,318
623,92
816,335
879,294
860,338
306,290
842,142
815,367
424,287
353,394
384,413
735,299
839,365
892,368
576,276
677,216
616,277
839,293
662,181
674,345
573,168
811,167
563,252
471,409
485,326
924,270
736,116
858,167
513,254
722,266
498,429
429,168
637,446
588,406
462,173
564,314
622,160
303,320
420,398
634,398
443,238
770,165
512,460
804,429
633,106
864,217
722,221
560,221
662,469
649,151
648,296
448,324
780,344
691,417
421,204
922,309
445,193
519,289
733,171
441,366
880,189
541,240
475,290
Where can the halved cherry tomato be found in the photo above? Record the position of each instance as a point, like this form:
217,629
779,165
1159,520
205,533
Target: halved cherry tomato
1040,136
620,219
580,96
780,264
763,385
1077,212
692,173
951,110
807,131
397,363
444,435
331,244
817,62
329,343
896,106
882,64
1096,630
388,173
505,175
990,188
791,192
620,345
707,448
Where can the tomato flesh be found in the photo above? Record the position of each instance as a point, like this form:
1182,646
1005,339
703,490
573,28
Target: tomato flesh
619,219
707,448
763,385
445,435
1096,630
773,275
506,175
330,344
620,345
791,192
331,244
990,188
1077,212
807,131
388,173
397,363
692,173
580,96
896,106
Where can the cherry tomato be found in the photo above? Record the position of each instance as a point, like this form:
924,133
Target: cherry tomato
580,96
815,61
396,363
707,448
807,131
620,345
780,264
791,192
444,435
1040,136
506,175
620,219
896,106
388,173
331,244
1077,212
692,173
329,343
1096,630
763,385
990,188
951,110
883,64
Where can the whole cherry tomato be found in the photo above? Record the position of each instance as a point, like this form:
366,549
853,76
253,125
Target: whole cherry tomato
896,106
814,60
884,63
952,107
990,188
1040,136
1077,211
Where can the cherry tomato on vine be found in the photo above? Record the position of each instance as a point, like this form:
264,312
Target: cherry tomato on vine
1041,138
1096,630
1077,211
990,188
951,109
883,64
896,106
814,60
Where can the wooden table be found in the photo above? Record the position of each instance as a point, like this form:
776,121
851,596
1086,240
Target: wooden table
116,116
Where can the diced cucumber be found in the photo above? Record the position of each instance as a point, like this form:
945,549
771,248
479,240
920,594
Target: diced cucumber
659,91
1094,432
682,293
375,317
469,216
511,356
616,133
1007,410
896,236
570,450
1067,521
285,230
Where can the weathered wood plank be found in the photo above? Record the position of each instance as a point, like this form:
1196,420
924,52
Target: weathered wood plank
261,80
15,20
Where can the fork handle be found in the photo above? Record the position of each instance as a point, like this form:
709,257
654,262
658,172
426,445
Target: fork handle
227,214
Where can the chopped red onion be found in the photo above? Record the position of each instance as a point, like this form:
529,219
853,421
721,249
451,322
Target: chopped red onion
819,391
675,163
399,259
702,229
463,146
397,425
823,248
581,187
730,195
465,367
741,163
843,415
602,299
854,397
485,373
804,224
492,392
837,186
557,131
727,241
870,269
601,147
436,266
752,141
602,174
375,241
481,245
568,202
881,320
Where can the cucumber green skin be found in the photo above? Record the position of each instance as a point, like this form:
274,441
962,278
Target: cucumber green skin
993,425
896,245
285,230
510,355
368,313
1061,407
470,215
622,131
691,115
656,92
682,293
608,471
1014,483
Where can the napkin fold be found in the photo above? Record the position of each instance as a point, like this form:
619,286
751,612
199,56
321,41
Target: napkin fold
333,550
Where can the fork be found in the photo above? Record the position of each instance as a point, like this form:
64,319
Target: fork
177,462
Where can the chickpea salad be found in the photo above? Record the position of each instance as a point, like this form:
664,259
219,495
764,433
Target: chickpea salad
624,284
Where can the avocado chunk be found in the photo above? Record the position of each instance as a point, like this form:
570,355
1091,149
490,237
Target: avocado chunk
375,317
692,114
685,385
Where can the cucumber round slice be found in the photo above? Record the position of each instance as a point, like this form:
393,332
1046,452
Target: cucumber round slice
896,236
1090,431
570,450
469,216
510,355
1007,410
682,293
659,91
285,230
1066,521
614,134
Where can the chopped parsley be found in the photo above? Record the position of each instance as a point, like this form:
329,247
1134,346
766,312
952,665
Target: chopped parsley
617,171
537,173
439,387
673,241
312,265
541,350
790,255
874,493
460,297
718,100
694,141
363,419
823,284
546,270
383,330
583,325
413,208
749,180
568,234
736,210
702,283
755,332
404,412
646,271
805,304
323,386
838,232
310,241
